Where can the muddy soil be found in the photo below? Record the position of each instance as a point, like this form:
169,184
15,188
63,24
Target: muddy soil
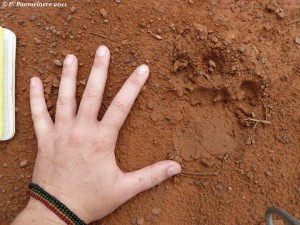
222,99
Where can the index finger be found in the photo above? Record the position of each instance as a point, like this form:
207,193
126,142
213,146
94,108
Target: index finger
122,103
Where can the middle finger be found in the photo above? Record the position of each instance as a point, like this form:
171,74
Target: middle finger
93,93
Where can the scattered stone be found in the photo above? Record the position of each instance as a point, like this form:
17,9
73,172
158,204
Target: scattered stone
4,165
58,62
127,61
118,1
24,163
140,221
214,39
37,41
212,64
156,211
150,105
268,173
55,82
143,23
241,50
68,18
65,52
197,183
133,221
297,40
213,2
82,82
250,141
229,188
281,15
49,104
205,184
270,7
103,13
32,18
20,22
73,9
155,116
283,77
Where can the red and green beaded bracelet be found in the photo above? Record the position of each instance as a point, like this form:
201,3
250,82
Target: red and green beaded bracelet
54,205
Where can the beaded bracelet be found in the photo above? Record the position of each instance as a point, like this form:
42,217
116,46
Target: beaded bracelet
54,205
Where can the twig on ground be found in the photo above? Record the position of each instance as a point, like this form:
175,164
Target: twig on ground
100,35
200,174
208,78
258,121
293,21
158,37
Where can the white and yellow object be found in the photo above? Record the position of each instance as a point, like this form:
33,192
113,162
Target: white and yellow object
7,83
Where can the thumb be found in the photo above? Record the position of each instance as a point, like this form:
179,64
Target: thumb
150,176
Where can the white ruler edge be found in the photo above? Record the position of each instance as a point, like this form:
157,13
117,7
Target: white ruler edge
9,58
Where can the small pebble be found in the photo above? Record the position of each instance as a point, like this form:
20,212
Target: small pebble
4,165
229,188
103,12
24,163
32,18
212,64
150,105
55,82
140,221
156,211
118,1
249,141
268,173
281,15
127,61
20,22
143,23
58,62
65,52
68,18
241,50
297,40
37,41
133,221
73,9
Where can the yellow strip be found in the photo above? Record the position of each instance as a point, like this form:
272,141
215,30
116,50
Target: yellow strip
1,80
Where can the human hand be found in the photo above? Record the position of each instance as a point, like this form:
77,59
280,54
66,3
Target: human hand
76,160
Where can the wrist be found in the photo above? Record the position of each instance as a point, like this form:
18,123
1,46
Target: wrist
37,213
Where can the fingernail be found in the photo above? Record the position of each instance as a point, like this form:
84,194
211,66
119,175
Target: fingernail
173,170
143,70
32,82
69,60
101,51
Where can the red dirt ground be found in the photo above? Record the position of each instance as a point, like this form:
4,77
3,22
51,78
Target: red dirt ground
216,66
